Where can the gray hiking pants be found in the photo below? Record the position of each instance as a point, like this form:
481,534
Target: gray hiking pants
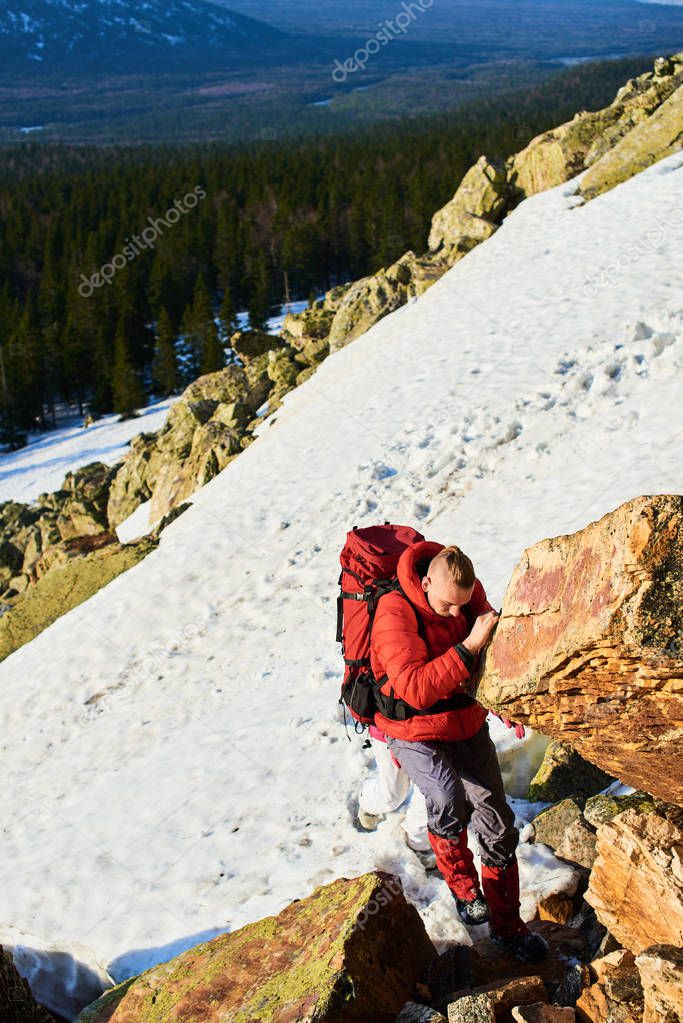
461,781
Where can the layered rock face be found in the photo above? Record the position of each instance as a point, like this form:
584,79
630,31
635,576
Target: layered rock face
636,884
352,951
661,975
588,646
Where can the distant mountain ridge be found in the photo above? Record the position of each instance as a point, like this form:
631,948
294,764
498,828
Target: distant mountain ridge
125,35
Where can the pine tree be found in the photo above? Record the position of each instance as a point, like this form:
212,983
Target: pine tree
227,316
165,372
259,293
126,387
102,398
201,335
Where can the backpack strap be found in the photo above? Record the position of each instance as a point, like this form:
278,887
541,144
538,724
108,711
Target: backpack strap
394,707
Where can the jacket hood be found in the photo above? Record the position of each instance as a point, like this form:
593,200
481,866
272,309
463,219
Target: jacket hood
409,577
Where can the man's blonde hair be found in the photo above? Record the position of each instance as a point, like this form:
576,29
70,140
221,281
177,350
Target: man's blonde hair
459,566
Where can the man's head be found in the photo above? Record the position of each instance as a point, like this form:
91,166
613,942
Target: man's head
449,582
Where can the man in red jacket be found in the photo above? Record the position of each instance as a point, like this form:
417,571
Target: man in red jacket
425,642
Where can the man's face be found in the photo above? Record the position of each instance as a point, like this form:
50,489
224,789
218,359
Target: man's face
443,596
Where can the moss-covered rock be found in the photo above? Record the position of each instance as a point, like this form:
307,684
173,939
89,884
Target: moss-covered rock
651,139
370,299
473,213
557,155
352,951
249,344
67,575
313,324
565,773
550,825
562,827
602,808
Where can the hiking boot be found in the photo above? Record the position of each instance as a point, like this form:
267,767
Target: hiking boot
526,946
369,821
425,856
474,911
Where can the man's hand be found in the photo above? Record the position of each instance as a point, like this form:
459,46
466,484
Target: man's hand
481,630
519,729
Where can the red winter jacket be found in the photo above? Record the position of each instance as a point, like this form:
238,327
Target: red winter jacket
419,675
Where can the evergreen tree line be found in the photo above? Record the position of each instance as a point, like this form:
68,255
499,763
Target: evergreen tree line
276,220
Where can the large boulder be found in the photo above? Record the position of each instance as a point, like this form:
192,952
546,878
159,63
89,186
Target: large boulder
564,773
474,212
17,1004
603,807
81,502
249,344
587,649
66,575
636,884
352,951
661,976
562,827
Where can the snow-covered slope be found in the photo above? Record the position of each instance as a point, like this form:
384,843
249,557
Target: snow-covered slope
41,466
172,755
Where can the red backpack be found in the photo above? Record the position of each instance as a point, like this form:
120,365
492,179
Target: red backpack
368,560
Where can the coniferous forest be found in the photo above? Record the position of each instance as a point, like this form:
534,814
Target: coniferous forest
122,268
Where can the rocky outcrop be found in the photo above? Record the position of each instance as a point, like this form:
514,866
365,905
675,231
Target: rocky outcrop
564,773
78,508
17,1004
313,324
134,478
586,141
661,976
352,951
616,994
65,576
204,430
636,884
587,649
370,299
657,135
